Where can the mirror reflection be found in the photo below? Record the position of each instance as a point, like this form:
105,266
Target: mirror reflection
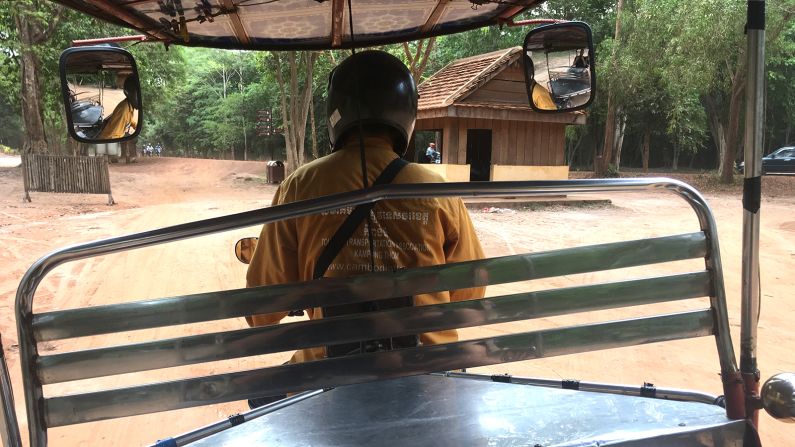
244,249
102,92
558,64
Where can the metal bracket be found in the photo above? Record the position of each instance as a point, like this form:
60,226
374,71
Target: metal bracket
501,378
236,419
648,390
170,442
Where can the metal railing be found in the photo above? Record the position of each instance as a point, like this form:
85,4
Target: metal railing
78,408
9,429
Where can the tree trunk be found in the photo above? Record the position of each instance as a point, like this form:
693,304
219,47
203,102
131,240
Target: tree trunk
573,152
295,102
675,163
128,151
245,140
33,32
621,127
716,127
315,152
646,143
602,163
732,130
32,116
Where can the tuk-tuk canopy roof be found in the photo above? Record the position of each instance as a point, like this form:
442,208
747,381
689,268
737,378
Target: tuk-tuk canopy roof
298,24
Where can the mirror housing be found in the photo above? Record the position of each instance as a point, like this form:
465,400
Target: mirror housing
244,249
778,397
101,93
559,67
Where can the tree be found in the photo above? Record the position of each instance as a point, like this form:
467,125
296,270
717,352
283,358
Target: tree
35,22
417,57
610,123
712,34
780,113
295,94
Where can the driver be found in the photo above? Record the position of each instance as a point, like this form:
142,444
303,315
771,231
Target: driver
124,118
372,97
542,99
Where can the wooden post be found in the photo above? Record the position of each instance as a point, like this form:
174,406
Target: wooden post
106,179
25,181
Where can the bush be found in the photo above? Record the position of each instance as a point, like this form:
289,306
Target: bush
7,150
612,172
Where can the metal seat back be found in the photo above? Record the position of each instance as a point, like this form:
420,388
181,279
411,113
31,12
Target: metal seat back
143,398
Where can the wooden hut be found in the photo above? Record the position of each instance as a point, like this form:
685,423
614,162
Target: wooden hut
478,106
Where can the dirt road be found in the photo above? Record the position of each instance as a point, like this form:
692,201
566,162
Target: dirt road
157,192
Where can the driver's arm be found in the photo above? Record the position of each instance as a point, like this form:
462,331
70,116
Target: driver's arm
275,259
462,244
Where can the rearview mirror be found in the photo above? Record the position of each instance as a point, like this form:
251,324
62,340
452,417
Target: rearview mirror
102,94
244,249
559,67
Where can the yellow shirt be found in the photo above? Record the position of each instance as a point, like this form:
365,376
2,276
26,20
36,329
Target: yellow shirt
407,233
542,99
118,123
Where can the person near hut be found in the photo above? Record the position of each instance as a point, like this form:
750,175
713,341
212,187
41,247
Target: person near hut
432,155
372,109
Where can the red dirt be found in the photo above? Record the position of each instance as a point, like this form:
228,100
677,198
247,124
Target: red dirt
156,192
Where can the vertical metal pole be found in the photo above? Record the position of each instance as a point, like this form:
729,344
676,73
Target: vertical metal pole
752,192
9,429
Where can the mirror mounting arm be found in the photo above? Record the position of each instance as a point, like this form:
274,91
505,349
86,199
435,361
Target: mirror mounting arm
90,42
511,23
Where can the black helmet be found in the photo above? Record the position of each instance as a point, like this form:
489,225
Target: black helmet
376,88
131,90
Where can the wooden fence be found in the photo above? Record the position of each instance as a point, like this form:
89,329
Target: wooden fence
66,174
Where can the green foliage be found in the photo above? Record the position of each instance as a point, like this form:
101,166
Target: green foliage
10,120
671,55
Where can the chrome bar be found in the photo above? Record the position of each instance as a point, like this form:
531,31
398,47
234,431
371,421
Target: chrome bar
330,331
374,286
754,134
87,407
36,273
594,387
217,427
9,428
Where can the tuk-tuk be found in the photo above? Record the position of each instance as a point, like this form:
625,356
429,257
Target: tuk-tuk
419,395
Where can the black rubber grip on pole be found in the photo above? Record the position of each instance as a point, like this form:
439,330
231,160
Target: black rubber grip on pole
648,390
237,419
756,15
501,378
752,194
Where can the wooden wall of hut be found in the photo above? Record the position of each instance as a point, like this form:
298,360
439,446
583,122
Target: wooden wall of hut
519,143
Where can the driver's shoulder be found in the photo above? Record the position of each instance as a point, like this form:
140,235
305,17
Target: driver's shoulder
417,173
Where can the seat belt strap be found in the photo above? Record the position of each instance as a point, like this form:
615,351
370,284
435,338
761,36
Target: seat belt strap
352,222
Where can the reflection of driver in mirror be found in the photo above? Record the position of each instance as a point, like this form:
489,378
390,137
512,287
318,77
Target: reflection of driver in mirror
542,99
124,119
